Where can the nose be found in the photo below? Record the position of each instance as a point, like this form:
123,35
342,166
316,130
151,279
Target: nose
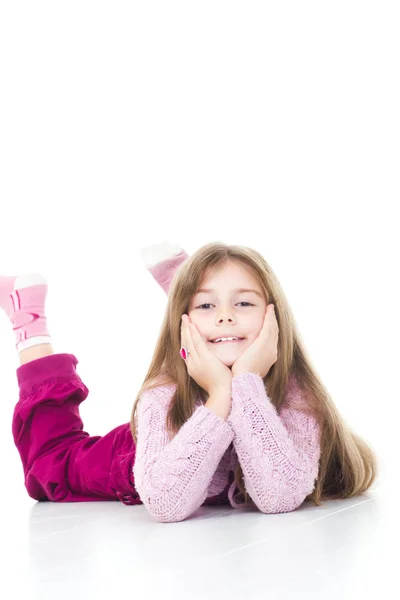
228,319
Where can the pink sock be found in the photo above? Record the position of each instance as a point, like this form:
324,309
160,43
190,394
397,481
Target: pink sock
164,271
163,260
23,299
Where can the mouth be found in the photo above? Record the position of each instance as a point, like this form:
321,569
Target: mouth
228,341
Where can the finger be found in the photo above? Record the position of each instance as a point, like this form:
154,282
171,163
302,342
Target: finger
194,339
197,339
187,336
184,334
183,331
270,312
274,317
268,317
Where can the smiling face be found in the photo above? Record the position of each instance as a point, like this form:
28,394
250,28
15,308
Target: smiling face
226,311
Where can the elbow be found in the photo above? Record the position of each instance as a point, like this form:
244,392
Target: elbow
164,518
289,499
164,514
167,506
277,509
161,512
282,504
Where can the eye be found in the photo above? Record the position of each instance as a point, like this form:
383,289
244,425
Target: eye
208,304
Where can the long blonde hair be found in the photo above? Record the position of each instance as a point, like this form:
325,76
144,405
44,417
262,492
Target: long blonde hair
348,466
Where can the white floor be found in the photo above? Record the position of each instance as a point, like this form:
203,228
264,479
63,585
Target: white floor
107,549
343,550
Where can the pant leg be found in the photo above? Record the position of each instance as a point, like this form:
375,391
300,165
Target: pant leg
61,462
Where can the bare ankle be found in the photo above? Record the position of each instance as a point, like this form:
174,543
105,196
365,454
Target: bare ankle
35,352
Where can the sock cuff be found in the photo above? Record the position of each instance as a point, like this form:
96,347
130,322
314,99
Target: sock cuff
33,341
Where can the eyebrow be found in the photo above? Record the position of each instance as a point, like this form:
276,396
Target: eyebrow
238,291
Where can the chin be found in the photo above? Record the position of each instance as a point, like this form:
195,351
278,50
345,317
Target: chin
228,362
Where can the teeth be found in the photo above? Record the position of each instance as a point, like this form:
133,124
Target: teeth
225,339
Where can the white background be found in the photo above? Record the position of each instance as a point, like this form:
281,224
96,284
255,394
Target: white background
269,125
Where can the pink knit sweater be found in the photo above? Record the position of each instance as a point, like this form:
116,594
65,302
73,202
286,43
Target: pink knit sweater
279,453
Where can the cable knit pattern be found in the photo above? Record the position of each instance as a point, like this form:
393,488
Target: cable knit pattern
173,477
279,454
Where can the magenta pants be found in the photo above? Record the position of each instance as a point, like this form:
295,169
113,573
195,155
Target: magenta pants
61,461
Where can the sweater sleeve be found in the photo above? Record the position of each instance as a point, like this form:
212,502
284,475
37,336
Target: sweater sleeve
172,476
279,453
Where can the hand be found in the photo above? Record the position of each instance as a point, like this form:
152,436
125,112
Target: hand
206,369
263,352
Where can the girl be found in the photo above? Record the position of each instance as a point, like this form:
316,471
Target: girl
211,416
